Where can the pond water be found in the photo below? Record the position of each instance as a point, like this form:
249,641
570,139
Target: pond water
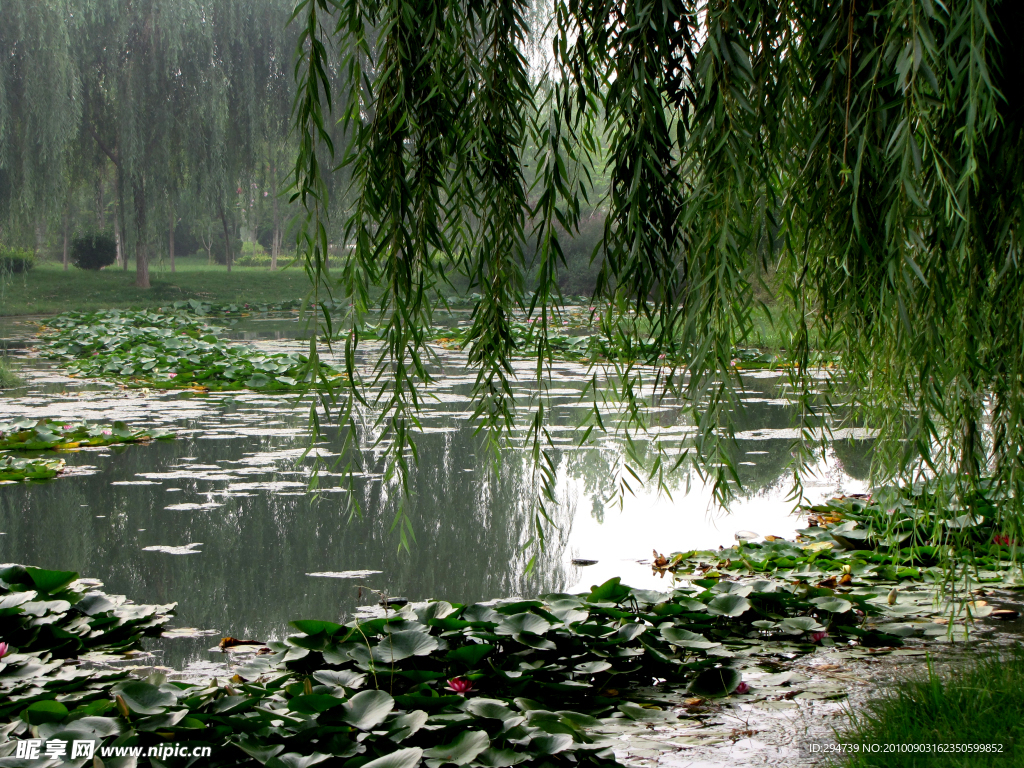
222,522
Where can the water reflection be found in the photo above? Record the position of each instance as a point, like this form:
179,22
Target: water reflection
233,488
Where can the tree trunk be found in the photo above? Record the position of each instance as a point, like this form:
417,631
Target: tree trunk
67,224
101,209
122,250
275,242
170,245
227,238
141,252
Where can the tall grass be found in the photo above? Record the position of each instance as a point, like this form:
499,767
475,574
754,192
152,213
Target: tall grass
982,703
8,378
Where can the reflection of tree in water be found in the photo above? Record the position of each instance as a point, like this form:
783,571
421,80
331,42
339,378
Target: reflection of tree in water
854,457
760,472
250,578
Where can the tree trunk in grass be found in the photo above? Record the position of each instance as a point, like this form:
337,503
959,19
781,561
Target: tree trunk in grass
141,252
227,238
67,225
275,244
101,213
170,244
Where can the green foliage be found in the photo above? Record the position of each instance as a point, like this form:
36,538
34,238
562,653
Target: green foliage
93,251
15,261
14,469
868,160
57,434
48,289
220,255
965,709
48,616
8,377
555,669
251,255
171,351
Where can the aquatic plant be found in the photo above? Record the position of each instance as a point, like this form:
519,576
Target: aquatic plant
13,469
171,351
58,435
525,679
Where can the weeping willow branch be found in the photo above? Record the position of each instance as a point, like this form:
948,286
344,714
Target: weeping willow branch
868,156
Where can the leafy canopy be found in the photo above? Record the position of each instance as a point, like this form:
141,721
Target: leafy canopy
859,159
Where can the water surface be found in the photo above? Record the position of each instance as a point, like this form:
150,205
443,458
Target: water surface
222,520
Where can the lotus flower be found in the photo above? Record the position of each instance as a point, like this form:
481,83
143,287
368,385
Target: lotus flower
107,432
460,685
1003,539
4,648
67,427
742,688
817,637
171,375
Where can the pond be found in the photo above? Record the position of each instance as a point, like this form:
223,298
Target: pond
222,522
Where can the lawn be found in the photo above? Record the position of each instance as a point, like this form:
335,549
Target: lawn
48,289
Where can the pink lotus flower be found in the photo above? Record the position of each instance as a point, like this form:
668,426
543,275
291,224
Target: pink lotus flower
460,685
67,427
107,432
171,375
817,637
742,688
4,648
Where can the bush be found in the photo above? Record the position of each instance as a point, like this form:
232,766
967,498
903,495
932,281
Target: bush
15,260
93,251
252,255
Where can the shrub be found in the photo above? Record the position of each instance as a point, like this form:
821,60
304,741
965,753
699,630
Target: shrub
252,255
93,251
15,260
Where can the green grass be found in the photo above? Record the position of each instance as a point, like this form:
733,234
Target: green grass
8,378
48,289
982,703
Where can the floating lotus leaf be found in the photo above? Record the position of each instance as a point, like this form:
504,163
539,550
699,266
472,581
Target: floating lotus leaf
490,708
832,604
684,638
464,749
404,726
523,622
728,605
296,760
402,758
343,677
367,709
715,682
145,699
470,655
401,645
800,624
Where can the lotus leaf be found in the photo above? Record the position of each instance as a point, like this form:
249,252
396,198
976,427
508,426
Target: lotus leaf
728,605
367,709
464,749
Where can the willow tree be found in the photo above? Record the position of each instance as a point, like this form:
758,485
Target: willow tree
37,135
866,153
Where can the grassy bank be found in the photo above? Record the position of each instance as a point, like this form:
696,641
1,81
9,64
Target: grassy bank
49,289
982,704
